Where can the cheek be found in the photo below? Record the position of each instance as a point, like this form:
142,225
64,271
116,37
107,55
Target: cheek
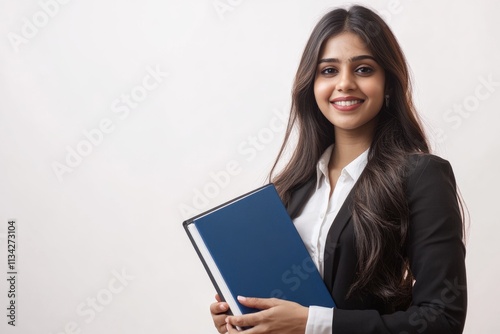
322,91
375,92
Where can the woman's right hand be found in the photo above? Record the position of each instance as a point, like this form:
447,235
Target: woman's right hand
218,311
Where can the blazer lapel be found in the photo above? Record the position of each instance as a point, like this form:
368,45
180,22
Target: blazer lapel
300,197
332,240
294,208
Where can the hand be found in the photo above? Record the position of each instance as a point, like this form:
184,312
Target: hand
218,311
277,316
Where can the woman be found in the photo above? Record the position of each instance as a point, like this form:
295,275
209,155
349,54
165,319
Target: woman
379,215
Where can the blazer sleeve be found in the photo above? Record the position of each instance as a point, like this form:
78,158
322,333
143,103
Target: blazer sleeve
437,259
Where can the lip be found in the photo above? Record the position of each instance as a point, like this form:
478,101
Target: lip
347,98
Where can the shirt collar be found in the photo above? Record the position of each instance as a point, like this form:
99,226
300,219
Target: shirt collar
353,169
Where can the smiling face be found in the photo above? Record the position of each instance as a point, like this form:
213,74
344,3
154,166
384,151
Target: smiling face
349,85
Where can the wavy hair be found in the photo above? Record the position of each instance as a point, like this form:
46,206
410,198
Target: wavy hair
380,210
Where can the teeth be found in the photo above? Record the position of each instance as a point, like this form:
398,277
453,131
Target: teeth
347,103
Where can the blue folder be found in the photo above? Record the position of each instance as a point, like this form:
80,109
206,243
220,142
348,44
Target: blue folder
250,247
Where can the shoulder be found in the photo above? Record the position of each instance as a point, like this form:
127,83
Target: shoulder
431,186
422,167
424,160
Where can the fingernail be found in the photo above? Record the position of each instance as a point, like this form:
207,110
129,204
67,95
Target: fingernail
242,299
222,307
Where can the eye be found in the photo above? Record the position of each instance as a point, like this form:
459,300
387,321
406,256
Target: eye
329,71
364,70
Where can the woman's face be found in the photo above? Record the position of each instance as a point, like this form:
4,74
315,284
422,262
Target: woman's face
349,84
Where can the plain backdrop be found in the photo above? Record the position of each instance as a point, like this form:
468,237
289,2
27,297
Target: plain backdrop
120,119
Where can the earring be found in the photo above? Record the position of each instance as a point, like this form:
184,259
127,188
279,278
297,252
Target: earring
387,101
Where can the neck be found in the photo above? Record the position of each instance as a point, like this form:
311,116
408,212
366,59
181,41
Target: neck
348,146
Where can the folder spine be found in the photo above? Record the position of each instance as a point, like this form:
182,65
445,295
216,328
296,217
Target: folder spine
209,270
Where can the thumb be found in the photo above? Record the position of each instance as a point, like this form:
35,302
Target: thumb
258,303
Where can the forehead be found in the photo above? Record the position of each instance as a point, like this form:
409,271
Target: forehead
344,46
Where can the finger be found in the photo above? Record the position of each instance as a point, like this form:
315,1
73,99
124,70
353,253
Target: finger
220,322
217,297
230,329
221,327
258,303
219,308
247,320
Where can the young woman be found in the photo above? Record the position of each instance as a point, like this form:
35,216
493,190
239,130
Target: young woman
379,215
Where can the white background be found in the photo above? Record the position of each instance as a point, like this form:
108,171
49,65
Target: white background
120,209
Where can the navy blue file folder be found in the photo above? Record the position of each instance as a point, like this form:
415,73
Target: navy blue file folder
250,247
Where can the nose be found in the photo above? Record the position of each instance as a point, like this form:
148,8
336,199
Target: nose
346,82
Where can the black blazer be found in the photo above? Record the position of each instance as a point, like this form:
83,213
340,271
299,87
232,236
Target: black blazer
435,250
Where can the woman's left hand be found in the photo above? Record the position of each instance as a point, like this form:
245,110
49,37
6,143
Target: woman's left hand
277,316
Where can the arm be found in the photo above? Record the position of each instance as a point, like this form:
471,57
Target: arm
437,259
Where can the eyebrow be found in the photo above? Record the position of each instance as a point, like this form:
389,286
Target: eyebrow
353,59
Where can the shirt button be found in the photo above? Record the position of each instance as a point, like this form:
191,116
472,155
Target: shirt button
322,216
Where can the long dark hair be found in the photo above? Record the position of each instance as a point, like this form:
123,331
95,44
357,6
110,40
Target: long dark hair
380,211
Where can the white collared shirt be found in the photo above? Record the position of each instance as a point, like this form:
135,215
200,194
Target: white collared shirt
315,221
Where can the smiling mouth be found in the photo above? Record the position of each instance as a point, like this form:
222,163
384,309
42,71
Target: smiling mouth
347,103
